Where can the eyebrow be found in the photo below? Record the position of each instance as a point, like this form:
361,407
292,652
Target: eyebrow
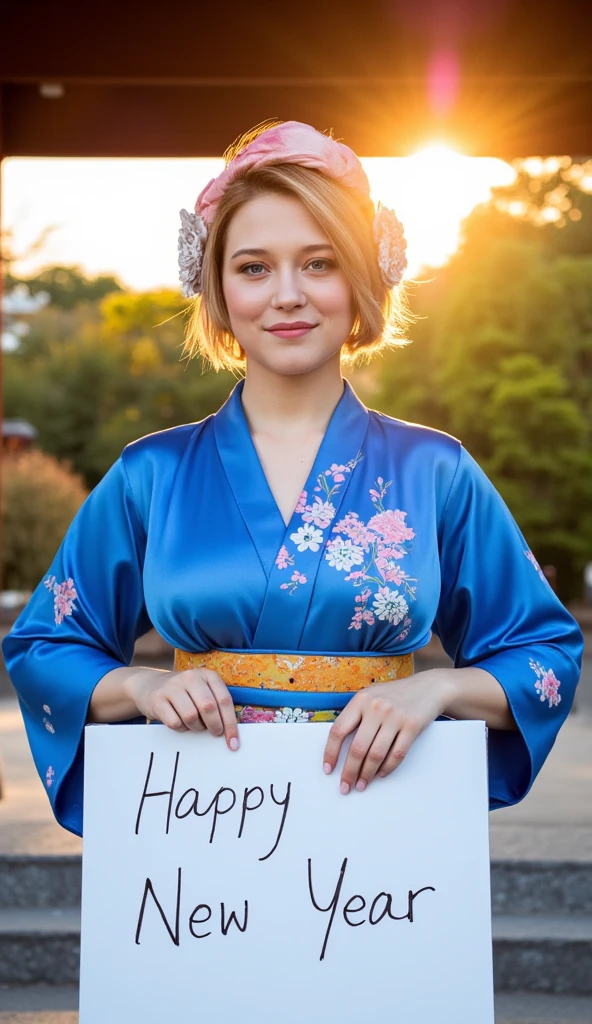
265,252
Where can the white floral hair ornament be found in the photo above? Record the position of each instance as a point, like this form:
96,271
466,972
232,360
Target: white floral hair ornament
192,239
289,142
390,244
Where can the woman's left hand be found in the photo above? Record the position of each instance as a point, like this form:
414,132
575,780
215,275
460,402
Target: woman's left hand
388,718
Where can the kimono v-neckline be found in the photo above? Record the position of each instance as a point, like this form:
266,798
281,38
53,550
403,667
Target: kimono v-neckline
290,565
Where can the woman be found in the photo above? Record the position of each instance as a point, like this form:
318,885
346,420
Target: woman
295,547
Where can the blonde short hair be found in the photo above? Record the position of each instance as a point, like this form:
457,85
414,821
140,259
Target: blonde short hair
381,313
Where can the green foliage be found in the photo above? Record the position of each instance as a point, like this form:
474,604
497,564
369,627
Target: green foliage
40,498
93,378
503,361
67,286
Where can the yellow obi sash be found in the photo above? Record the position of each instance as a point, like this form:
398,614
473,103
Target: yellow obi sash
310,673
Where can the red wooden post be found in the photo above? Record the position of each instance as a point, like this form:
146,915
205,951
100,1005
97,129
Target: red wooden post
1,353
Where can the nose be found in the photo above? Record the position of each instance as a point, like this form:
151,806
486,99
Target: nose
288,291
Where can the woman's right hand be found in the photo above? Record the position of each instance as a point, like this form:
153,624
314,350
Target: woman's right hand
193,700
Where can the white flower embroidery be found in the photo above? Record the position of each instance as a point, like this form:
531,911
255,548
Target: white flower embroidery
292,715
342,554
307,538
390,605
47,709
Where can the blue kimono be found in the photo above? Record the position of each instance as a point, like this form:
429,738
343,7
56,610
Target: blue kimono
397,533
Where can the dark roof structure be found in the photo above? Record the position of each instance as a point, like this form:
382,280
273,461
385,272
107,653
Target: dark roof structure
492,77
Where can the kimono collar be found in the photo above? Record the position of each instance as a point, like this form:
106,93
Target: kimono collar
342,442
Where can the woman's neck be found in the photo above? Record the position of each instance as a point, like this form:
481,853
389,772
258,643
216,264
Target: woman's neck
288,405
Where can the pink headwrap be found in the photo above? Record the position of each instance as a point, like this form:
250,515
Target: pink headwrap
295,143
289,142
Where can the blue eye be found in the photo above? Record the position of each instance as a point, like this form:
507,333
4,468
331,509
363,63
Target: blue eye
326,263
248,267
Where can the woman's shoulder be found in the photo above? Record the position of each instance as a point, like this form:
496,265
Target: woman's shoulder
168,442
153,459
415,436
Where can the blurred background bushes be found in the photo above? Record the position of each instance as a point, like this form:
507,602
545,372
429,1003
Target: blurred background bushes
39,500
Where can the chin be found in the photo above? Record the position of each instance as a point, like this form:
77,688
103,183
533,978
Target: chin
295,360
296,364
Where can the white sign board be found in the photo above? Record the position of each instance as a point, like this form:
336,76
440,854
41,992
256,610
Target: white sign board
221,886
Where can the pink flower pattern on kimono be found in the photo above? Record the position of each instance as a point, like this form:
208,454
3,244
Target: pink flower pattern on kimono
320,513
533,561
47,719
378,546
297,578
316,516
64,595
547,684
49,775
362,614
301,506
356,530
284,559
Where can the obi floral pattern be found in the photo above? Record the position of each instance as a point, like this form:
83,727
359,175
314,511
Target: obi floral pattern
368,553
247,713
547,684
64,595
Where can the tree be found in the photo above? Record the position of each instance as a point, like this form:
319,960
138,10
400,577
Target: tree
503,361
67,286
93,378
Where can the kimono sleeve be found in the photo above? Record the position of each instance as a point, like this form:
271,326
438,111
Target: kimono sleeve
81,622
498,612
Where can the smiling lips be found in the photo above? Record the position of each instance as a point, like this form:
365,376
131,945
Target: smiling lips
299,325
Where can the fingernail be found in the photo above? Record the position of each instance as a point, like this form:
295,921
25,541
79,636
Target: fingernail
234,743
344,788
327,768
360,784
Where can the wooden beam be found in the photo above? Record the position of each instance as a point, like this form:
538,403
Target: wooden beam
490,118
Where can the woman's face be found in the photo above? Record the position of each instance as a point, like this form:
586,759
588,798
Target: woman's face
293,277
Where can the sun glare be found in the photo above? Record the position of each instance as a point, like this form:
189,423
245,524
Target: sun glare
122,216
431,192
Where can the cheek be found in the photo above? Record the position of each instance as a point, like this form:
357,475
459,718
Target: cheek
338,301
241,301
